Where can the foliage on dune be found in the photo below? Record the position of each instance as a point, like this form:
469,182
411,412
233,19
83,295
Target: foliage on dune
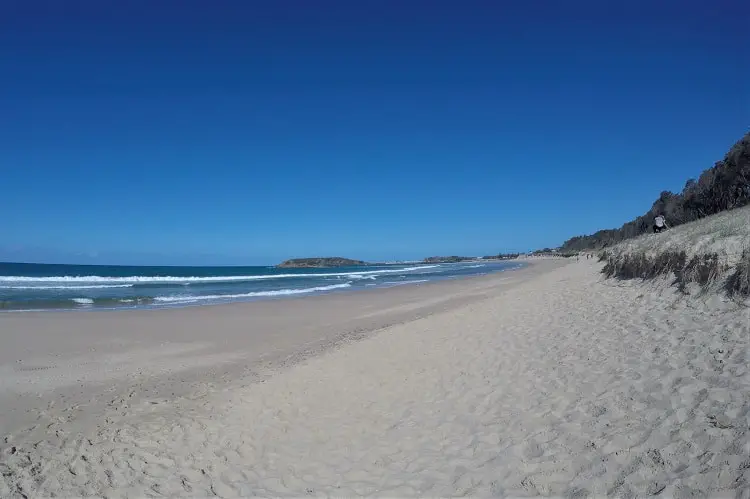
725,186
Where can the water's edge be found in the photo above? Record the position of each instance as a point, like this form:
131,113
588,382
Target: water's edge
79,288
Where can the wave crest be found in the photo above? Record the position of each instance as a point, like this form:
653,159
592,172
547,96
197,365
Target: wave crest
132,280
276,292
87,286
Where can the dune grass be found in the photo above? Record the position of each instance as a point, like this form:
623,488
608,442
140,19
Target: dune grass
713,253
738,282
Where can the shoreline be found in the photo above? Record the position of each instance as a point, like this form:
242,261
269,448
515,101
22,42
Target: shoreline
547,381
73,358
142,302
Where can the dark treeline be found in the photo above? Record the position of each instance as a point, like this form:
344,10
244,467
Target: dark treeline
502,256
723,187
448,259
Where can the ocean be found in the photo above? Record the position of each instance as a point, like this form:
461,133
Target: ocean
26,286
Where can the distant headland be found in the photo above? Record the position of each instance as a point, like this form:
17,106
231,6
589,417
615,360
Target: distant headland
331,261
458,259
337,261
448,259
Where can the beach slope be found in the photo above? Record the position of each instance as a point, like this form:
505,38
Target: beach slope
560,384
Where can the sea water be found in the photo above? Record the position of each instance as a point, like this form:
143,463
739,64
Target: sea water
25,286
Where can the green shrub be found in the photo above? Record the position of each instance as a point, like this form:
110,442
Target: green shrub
703,270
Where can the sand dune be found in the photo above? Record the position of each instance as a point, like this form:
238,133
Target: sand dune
726,233
563,384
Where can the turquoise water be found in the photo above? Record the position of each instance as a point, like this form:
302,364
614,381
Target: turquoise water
83,287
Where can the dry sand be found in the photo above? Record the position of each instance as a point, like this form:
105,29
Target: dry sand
546,381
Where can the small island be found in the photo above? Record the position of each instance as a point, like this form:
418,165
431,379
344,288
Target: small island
323,262
448,259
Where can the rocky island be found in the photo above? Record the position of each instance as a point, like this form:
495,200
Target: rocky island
331,261
448,259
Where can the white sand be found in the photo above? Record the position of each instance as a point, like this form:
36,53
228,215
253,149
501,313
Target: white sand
563,384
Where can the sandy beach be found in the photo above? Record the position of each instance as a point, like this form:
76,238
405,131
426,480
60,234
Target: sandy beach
547,380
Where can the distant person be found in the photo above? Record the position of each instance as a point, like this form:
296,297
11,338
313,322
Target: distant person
660,223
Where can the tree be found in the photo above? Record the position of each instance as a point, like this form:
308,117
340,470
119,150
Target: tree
724,186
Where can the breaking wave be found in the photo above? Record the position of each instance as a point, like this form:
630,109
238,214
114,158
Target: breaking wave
73,287
276,292
132,280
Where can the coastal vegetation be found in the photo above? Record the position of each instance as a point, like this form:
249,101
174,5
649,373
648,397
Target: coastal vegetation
448,259
708,271
710,254
321,262
724,186
708,244
324,262
502,256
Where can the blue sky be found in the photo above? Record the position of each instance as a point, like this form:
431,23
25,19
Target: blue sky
243,132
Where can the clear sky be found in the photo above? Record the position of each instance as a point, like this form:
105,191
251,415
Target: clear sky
242,132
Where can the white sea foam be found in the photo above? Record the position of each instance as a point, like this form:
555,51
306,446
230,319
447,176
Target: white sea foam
276,292
87,286
399,283
5,280
474,266
84,301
